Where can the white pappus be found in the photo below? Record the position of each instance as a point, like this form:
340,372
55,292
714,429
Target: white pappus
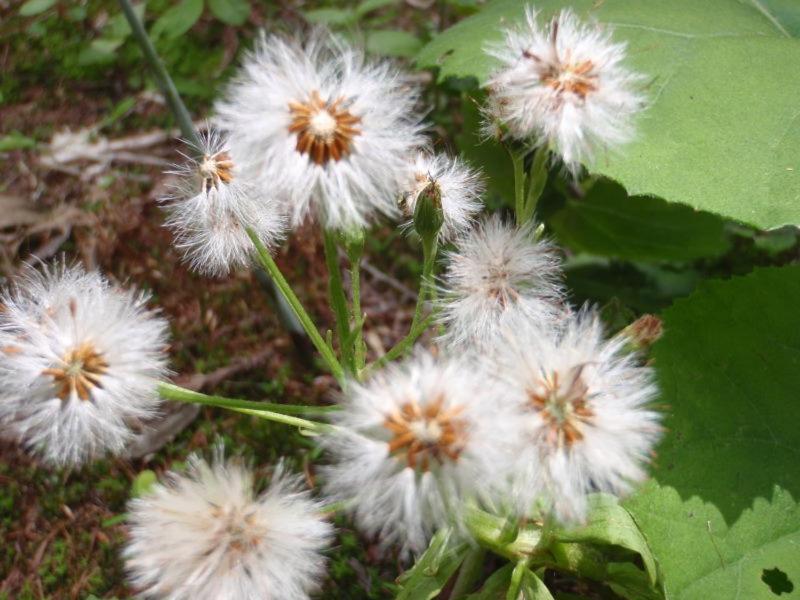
564,87
412,445
588,424
80,362
207,534
498,275
323,128
213,205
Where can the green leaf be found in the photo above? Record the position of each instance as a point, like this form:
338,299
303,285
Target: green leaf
703,558
388,42
330,16
784,13
433,569
118,26
722,128
368,6
178,20
232,12
610,524
494,588
99,51
608,222
16,141
534,588
729,369
487,154
643,287
143,483
35,7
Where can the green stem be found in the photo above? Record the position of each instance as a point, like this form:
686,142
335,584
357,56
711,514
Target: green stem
418,324
163,80
184,121
518,162
516,579
285,289
338,299
537,179
400,347
265,410
469,573
170,391
313,426
429,247
355,250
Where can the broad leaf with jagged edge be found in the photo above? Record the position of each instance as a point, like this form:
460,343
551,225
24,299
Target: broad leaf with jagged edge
723,126
725,522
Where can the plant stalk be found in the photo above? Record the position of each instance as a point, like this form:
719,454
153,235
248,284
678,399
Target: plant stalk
163,80
263,410
338,300
355,250
285,289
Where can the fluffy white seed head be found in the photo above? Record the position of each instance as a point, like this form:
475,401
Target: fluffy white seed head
564,86
497,276
208,535
80,361
588,425
453,183
412,445
323,128
213,205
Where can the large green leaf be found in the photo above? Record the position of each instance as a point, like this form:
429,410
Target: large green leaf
607,222
757,557
723,126
729,371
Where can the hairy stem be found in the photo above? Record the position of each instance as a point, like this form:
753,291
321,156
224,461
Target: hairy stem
518,162
338,300
355,250
279,413
285,289
170,391
537,179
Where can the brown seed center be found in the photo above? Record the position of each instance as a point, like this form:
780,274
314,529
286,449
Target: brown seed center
81,370
563,405
216,169
239,531
576,79
325,130
425,434
561,73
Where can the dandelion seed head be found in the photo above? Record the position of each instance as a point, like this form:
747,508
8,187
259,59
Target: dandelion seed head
412,445
497,275
80,362
211,207
587,423
564,86
208,535
323,128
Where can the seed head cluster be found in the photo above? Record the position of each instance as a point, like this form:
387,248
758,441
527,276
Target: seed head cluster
524,405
